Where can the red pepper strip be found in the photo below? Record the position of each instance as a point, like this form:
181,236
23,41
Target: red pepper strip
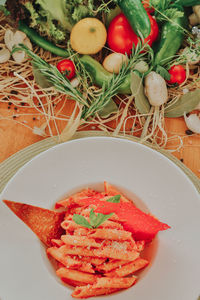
143,226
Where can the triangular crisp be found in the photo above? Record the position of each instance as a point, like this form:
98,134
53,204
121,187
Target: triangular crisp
43,222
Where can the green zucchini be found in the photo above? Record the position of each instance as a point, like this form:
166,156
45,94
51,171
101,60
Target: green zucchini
137,16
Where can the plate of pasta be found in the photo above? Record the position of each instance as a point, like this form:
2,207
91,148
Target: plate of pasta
112,218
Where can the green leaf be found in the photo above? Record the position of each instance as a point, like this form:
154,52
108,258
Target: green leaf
40,79
92,218
110,108
184,104
101,218
115,199
137,89
163,72
80,220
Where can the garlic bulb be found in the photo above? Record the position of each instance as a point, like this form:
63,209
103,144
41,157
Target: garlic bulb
193,122
114,61
4,55
9,39
156,89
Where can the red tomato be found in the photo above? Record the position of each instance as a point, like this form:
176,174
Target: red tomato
178,74
67,68
121,36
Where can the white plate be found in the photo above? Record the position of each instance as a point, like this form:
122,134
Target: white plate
25,273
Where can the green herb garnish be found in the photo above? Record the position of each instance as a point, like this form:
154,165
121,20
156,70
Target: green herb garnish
95,220
114,199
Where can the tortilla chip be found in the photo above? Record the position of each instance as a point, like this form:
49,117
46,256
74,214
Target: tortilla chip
43,222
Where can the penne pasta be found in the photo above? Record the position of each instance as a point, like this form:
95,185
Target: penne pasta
75,275
122,283
128,269
110,234
117,254
76,240
95,261
89,291
110,265
106,252
66,260
57,243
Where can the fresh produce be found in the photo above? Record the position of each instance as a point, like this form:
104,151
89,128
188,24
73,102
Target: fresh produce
193,122
172,36
88,36
101,77
42,42
142,67
137,16
114,61
4,55
156,89
67,68
12,39
195,17
178,74
50,18
121,36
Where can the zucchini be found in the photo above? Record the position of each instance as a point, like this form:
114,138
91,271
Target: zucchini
137,16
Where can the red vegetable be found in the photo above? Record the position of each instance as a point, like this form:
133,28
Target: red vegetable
121,36
148,7
178,74
143,226
67,68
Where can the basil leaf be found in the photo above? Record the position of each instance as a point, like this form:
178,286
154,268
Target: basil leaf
101,218
92,217
80,220
115,199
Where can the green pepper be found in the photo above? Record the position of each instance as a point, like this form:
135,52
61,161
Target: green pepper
42,42
172,36
102,77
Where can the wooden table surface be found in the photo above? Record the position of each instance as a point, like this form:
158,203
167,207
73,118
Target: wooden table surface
14,137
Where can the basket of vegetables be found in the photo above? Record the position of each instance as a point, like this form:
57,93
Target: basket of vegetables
127,61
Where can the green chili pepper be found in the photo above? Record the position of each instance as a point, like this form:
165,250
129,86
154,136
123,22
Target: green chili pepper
137,16
102,77
172,36
40,41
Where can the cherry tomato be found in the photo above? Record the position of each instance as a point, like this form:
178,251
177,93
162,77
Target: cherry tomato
121,36
178,74
67,68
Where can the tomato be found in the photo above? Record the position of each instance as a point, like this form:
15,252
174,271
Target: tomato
121,36
178,74
67,68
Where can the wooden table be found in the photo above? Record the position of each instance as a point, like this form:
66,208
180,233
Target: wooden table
14,137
